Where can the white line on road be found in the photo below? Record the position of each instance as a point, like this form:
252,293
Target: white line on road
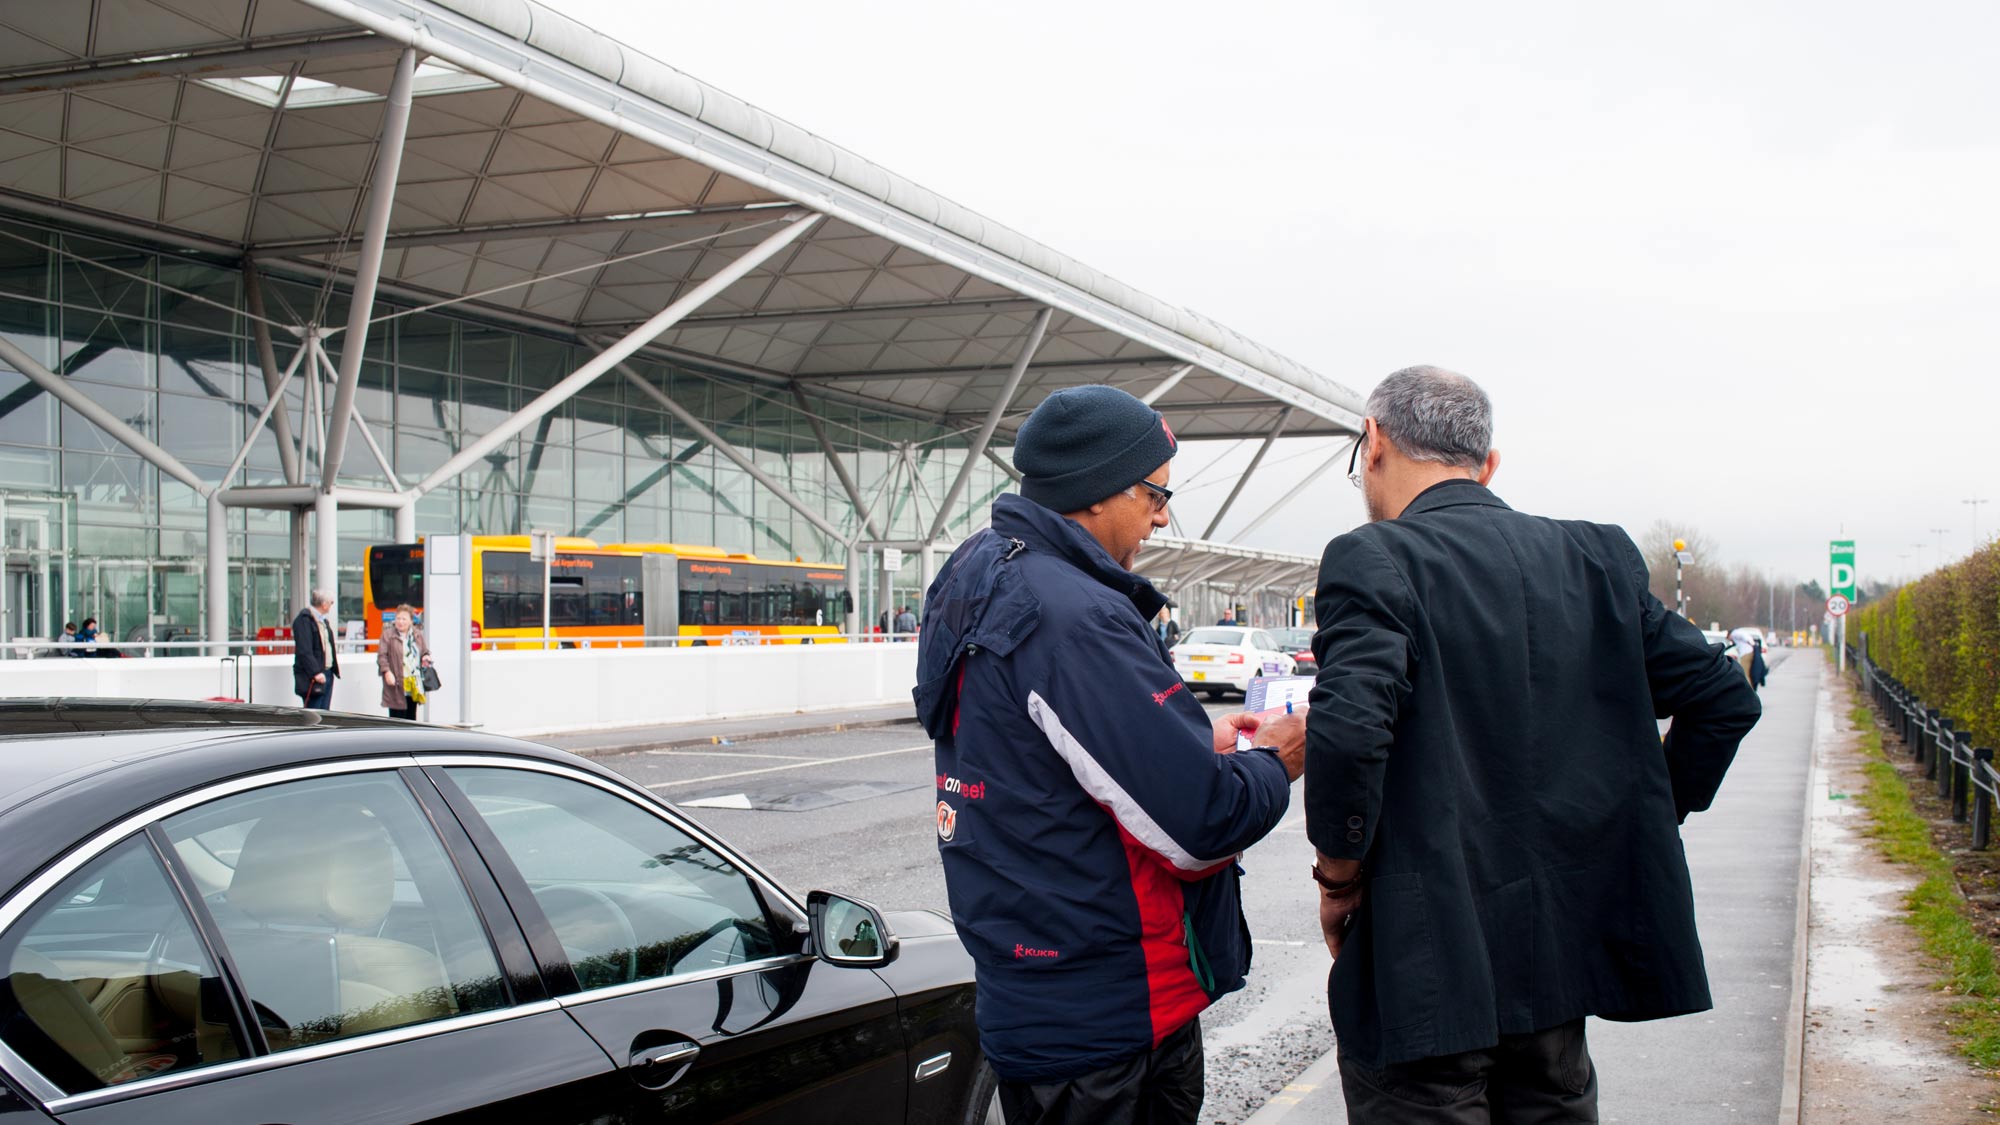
729,754
792,766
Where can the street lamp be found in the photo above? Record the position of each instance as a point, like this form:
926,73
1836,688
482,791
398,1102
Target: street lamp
1939,532
1975,518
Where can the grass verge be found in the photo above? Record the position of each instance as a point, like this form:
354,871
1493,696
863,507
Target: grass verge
1936,909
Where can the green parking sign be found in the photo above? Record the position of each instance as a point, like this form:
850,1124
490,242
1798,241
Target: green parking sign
1840,571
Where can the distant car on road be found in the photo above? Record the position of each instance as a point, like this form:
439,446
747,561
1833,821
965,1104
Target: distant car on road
1218,658
1299,644
231,913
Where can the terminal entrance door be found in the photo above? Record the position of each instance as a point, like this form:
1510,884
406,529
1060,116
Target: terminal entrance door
33,562
265,597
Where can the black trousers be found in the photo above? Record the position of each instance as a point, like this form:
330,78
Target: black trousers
407,711
1162,1086
1541,1077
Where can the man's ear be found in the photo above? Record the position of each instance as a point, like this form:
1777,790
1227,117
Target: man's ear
1492,466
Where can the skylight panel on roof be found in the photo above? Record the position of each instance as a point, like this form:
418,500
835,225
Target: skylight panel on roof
433,76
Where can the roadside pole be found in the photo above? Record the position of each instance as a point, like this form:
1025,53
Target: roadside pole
542,547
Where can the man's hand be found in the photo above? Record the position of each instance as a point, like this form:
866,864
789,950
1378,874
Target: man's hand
1226,727
1287,735
319,677
389,678
1337,904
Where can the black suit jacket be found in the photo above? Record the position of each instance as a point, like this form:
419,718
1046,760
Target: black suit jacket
1483,737
309,657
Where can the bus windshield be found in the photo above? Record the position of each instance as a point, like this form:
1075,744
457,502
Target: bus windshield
396,576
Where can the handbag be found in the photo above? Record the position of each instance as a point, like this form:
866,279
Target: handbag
428,676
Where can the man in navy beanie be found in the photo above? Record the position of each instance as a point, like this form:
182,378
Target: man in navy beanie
1089,812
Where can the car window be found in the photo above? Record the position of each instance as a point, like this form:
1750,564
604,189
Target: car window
107,982
339,907
1214,636
1263,640
630,896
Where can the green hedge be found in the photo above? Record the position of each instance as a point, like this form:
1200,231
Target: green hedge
1940,635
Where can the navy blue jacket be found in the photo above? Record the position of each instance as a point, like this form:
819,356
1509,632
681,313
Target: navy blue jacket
1087,825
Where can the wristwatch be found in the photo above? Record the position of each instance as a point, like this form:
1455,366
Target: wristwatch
1335,886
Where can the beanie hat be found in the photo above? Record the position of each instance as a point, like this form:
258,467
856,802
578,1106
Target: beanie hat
1083,444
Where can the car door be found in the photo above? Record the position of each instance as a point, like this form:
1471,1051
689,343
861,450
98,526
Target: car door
1270,660
688,966
305,951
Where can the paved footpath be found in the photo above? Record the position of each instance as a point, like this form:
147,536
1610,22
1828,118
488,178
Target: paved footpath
1731,1063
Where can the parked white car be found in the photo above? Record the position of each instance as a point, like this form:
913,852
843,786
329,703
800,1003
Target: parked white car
1218,658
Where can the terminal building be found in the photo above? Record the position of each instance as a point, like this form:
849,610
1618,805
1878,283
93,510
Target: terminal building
284,279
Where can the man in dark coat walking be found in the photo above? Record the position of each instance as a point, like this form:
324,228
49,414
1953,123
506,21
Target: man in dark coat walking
1495,813
315,660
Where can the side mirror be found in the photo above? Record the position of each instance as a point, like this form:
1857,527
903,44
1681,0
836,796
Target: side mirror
849,932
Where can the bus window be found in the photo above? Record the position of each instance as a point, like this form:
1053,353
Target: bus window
396,576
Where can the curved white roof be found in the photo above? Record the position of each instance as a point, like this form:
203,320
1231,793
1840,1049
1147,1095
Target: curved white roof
558,177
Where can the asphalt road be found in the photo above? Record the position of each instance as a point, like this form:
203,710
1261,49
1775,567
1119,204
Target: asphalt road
852,811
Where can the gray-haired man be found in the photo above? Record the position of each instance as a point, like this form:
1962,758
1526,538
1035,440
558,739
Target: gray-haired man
315,661
1496,816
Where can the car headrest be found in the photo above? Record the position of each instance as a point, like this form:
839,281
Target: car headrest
316,865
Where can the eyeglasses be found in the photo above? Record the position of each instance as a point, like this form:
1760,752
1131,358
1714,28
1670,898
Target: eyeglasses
1354,458
1161,495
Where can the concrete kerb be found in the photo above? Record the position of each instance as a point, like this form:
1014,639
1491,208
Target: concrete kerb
682,741
1275,1111
1791,1098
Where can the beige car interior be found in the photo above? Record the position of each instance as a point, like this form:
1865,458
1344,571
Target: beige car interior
313,885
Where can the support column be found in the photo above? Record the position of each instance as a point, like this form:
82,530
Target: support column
617,353
864,518
217,624
851,623
1304,482
301,575
1167,384
406,523
67,393
926,569
1248,471
326,532
735,455
267,358
381,199
1001,401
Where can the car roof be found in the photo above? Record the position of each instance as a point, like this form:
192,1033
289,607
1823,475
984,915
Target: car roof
70,768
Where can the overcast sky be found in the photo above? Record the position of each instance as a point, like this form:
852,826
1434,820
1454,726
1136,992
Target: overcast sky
1724,263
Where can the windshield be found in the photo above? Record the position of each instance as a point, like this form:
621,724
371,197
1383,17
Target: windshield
1214,636
1294,638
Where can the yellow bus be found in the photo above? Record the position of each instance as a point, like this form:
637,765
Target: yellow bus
601,594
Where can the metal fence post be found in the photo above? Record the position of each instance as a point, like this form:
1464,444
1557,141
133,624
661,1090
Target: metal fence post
1982,797
1929,740
1961,775
1941,755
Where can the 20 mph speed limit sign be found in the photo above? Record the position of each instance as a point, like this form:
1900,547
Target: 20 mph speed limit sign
1836,605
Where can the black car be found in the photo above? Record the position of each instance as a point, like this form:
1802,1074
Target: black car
223,913
1298,643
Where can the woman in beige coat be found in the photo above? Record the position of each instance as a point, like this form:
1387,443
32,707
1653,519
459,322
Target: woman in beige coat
402,649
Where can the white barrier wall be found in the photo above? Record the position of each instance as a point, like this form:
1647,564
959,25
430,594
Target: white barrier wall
527,693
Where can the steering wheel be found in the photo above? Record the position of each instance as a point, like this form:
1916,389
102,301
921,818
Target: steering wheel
713,931
597,900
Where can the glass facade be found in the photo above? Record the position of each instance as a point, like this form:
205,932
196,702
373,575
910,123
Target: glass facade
161,340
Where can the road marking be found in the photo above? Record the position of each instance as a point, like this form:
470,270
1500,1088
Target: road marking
1279,941
792,766
729,754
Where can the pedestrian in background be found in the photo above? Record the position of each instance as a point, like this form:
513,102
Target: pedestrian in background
1759,669
906,622
1495,814
67,641
1089,812
401,658
315,661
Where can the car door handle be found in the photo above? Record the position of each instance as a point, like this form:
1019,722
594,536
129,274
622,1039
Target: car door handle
668,1055
660,1065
